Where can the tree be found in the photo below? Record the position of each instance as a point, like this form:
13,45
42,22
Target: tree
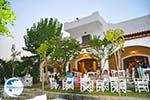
7,16
112,43
46,29
105,47
6,70
30,65
117,40
60,50
64,51
101,48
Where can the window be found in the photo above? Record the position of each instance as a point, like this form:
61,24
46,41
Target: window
85,39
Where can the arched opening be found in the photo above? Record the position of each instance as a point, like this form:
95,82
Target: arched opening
90,65
130,53
133,61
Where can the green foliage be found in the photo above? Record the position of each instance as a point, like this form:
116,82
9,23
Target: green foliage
27,64
59,50
112,41
4,68
95,41
100,46
31,65
107,46
42,50
64,51
45,30
115,37
7,16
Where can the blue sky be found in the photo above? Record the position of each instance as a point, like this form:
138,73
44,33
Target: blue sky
30,11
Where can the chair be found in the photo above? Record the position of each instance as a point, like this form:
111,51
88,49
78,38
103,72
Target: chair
114,84
129,78
102,85
113,72
121,73
53,82
123,85
28,81
68,83
118,84
141,84
91,75
147,72
86,84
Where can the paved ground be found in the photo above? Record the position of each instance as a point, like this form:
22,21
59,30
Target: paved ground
32,92
29,93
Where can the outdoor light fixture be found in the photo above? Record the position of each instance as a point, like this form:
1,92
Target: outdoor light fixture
133,52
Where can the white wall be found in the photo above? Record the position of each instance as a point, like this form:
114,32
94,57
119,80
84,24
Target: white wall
145,41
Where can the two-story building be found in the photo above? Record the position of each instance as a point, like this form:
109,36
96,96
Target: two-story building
136,34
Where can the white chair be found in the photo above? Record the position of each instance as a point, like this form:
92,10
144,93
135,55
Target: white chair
102,85
53,82
28,81
86,84
113,72
123,85
68,84
118,84
129,77
114,84
147,72
99,85
121,73
91,75
141,84
133,73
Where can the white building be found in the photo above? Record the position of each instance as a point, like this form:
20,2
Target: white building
136,34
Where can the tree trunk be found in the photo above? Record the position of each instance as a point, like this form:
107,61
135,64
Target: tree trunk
103,61
13,71
43,78
117,65
46,73
64,69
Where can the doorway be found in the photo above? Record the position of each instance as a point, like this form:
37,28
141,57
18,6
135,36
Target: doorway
90,65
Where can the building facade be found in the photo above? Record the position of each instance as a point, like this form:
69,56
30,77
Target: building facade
136,34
